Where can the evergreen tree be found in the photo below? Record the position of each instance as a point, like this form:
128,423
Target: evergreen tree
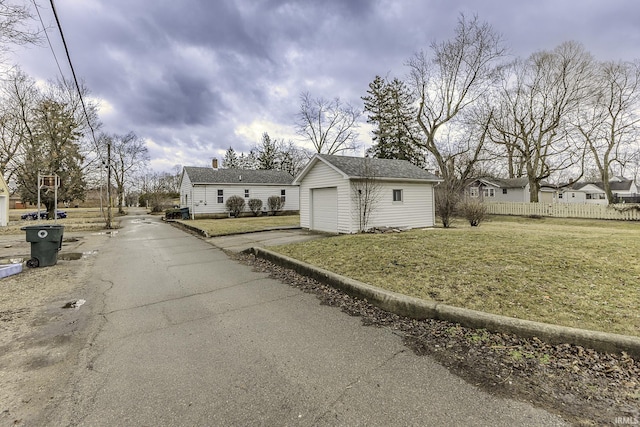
268,153
230,160
390,108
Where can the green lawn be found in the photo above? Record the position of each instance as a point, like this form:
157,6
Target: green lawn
577,273
226,226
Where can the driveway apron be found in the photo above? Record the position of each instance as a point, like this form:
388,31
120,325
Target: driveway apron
184,335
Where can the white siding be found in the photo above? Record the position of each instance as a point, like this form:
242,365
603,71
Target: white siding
323,176
513,195
416,210
203,199
324,209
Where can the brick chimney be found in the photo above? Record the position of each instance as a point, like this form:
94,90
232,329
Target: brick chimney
214,163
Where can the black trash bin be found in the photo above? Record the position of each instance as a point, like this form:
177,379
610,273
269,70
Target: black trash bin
46,241
184,212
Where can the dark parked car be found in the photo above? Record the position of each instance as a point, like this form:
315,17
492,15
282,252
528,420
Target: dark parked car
43,215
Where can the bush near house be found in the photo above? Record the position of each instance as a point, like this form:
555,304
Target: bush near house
235,205
255,206
275,204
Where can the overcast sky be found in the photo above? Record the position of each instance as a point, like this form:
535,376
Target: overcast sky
194,77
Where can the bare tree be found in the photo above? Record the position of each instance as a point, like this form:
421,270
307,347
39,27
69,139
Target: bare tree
365,194
14,25
609,121
129,156
330,126
19,97
449,82
536,99
454,77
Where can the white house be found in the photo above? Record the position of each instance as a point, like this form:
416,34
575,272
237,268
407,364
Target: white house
331,194
593,192
499,190
205,190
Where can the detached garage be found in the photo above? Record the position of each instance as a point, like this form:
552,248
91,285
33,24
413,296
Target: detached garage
340,194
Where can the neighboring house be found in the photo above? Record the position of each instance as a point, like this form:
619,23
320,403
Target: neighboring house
205,190
330,200
593,192
500,190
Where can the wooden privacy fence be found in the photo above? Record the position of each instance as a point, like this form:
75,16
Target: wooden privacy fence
627,212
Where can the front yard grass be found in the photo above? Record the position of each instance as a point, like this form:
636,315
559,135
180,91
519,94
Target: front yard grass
577,273
226,226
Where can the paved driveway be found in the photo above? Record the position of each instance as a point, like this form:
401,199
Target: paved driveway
183,335
241,242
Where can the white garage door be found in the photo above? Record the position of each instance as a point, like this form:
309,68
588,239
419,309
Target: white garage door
324,212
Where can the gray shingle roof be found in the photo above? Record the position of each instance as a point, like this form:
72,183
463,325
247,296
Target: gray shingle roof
200,175
354,167
615,185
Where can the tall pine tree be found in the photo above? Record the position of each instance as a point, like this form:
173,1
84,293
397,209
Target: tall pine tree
390,108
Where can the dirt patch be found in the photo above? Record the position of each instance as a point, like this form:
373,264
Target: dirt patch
36,333
581,385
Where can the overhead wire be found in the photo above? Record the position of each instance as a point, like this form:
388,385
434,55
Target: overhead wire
73,73
55,57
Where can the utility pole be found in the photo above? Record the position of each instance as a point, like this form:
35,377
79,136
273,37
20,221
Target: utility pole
109,185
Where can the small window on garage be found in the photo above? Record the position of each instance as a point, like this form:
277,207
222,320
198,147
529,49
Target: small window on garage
504,191
283,195
246,193
397,195
220,196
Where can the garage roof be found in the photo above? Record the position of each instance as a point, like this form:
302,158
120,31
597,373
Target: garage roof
363,167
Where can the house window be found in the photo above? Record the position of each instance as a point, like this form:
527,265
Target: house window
559,195
397,195
504,191
489,192
283,195
573,194
473,192
220,196
588,196
246,193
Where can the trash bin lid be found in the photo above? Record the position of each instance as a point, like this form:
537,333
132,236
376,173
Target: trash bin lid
42,227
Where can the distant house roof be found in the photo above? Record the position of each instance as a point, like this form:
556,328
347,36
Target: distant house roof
362,167
616,184
504,182
201,175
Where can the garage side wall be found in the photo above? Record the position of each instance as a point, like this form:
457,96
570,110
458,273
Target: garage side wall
416,210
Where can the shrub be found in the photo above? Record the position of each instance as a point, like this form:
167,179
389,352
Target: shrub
473,211
235,205
446,202
255,206
275,204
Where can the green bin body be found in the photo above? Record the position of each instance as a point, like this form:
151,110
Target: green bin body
46,241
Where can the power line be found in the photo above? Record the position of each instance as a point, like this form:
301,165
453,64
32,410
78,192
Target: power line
35,5
73,73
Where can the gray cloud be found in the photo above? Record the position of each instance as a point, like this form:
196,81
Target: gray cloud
198,76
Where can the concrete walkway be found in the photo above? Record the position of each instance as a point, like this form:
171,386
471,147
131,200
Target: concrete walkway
263,239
